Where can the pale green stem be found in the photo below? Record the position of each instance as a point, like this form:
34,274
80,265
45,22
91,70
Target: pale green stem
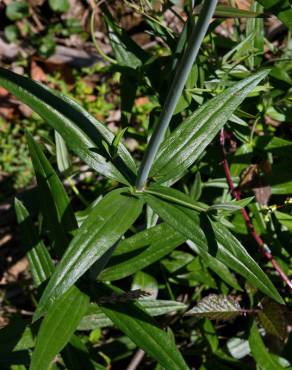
97,47
176,89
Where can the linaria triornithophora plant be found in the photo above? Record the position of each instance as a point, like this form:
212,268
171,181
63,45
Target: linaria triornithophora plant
83,250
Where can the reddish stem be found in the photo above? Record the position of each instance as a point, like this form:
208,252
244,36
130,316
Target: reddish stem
236,194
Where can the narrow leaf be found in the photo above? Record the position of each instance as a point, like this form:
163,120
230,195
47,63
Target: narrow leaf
213,239
141,250
232,206
188,141
58,326
223,11
131,318
54,202
96,318
62,155
82,132
215,265
39,259
127,52
107,222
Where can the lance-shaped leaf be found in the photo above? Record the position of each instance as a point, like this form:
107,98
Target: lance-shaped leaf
127,52
212,239
229,12
107,222
83,134
188,141
54,202
96,318
216,307
131,319
40,262
232,206
122,158
58,326
62,155
141,250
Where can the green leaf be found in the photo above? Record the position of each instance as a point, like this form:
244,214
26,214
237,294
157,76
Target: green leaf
40,262
17,10
223,11
232,206
141,250
62,155
175,196
145,282
17,336
188,141
126,51
118,138
11,33
82,132
123,159
243,263
196,189
230,12
216,307
281,8
76,356
61,6
58,326
213,239
285,219
255,26
96,318
215,265
47,46
132,320
94,241
54,202
259,351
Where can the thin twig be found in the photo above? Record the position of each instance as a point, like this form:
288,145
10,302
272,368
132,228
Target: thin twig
136,360
236,194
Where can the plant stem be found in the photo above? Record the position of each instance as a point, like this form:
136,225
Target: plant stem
97,47
175,91
236,194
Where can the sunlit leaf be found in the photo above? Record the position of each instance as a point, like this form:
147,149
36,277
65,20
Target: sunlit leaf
94,241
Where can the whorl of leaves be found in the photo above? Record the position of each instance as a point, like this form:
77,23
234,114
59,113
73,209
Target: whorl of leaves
217,307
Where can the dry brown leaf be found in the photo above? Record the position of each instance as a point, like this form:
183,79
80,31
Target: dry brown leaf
37,73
